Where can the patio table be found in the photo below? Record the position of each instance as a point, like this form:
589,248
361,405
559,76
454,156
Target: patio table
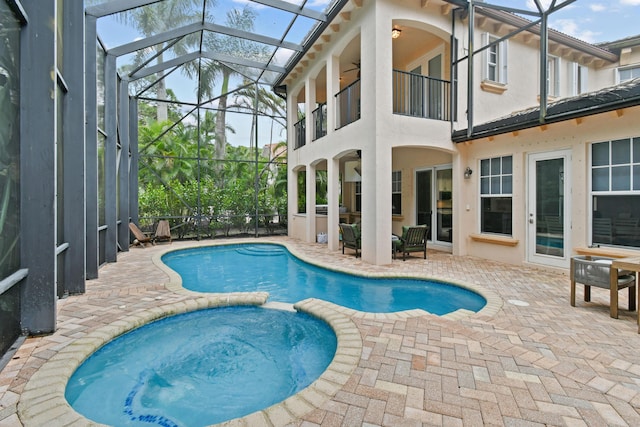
628,263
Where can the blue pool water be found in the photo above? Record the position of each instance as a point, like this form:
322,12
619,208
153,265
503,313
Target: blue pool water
271,268
202,367
553,242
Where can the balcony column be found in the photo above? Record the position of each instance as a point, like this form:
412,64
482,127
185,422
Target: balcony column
310,105
376,205
333,212
292,173
333,87
376,64
311,204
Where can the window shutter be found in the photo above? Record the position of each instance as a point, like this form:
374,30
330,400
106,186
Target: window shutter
485,56
584,79
504,48
556,88
573,79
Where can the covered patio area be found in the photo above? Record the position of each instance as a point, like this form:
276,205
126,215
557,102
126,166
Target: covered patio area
531,359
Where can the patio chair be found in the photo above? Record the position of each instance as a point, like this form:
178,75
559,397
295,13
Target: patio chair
139,236
595,271
350,237
413,239
163,231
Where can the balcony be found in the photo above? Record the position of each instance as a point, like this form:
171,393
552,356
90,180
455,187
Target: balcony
348,105
421,96
320,121
414,95
299,129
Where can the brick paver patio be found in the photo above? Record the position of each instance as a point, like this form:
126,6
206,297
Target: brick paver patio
531,360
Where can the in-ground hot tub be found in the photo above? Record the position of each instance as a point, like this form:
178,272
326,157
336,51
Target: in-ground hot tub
202,367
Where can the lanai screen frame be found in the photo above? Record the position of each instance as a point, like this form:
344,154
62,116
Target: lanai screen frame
118,99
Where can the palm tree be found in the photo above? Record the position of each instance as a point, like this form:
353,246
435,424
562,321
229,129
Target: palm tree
269,104
155,19
242,19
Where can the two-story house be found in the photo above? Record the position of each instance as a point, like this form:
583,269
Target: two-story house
429,112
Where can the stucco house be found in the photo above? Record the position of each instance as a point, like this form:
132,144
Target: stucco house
512,141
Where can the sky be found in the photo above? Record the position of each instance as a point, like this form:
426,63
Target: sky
593,21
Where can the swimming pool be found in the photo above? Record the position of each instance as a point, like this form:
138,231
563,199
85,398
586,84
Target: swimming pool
202,367
271,268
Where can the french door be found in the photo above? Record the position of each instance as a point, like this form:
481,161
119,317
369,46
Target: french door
548,211
434,202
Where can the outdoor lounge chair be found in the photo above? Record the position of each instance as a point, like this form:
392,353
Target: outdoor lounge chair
595,271
139,236
350,237
163,231
413,239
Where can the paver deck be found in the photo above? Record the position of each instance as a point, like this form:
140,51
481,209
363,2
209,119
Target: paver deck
532,360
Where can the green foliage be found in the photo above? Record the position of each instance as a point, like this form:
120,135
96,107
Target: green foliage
190,171
219,201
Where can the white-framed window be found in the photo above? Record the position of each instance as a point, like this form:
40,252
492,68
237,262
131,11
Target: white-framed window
396,192
494,59
496,187
553,76
615,192
628,73
579,79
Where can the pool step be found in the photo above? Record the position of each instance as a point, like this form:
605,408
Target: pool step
261,251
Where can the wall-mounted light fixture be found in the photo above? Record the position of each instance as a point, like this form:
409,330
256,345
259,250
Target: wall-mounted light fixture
395,33
467,173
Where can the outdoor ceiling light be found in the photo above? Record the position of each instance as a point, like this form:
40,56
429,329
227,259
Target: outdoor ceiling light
395,33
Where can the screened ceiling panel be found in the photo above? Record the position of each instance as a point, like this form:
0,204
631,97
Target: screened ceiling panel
299,30
191,44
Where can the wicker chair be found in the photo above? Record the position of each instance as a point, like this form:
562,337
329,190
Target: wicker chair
595,271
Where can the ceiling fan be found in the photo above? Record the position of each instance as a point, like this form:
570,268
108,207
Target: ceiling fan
356,67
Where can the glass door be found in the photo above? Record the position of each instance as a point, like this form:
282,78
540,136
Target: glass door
435,88
435,195
416,93
424,209
548,214
444,186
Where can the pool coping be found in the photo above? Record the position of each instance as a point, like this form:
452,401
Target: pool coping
492,307
42,400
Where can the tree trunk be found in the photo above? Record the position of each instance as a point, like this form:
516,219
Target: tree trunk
221,126
162,110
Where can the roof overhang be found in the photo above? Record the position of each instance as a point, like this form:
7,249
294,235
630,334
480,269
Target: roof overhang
613,98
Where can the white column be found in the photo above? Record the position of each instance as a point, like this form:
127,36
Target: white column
292,176
333,87
333,192
311,204
461,197
310,105
377,50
